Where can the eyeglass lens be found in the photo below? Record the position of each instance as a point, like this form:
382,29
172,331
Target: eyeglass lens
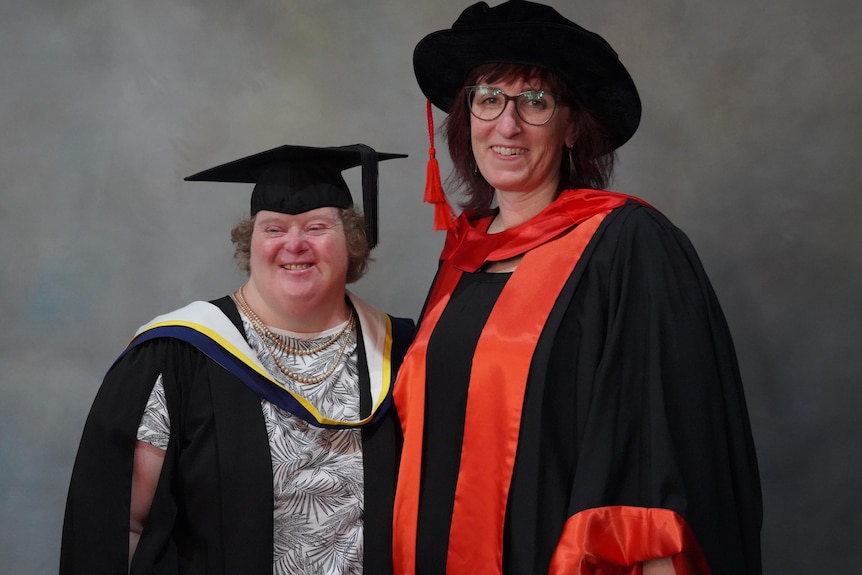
533,106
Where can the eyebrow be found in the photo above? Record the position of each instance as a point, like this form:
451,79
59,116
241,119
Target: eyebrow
299,217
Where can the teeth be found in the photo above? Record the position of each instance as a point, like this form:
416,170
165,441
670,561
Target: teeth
296,266
507,151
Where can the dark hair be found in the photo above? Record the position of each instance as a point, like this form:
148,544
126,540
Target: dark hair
358,252
590,166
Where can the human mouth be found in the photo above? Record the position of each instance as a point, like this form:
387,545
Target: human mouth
507,151
295,267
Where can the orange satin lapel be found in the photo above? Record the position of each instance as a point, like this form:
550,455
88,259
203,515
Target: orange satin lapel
501,365
409,398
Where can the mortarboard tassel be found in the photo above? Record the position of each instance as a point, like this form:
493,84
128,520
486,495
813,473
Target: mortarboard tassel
443,214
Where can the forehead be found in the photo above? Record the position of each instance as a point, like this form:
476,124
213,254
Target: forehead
517,74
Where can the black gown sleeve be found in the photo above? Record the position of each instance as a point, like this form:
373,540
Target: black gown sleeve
635,399
96,526
212,509
664,423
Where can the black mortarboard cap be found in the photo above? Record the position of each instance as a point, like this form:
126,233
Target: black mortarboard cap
296,179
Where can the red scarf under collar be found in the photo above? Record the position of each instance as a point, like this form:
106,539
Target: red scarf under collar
468,247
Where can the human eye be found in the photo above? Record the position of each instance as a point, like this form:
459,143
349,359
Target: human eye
319,226
270,228
535,100
487,96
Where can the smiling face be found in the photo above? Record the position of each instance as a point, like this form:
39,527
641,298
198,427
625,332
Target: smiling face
514,156
298,269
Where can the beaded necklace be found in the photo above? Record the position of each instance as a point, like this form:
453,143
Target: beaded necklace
273,342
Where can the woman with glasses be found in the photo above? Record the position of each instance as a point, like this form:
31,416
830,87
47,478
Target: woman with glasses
571,402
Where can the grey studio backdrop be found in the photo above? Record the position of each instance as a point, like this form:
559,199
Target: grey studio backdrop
750,142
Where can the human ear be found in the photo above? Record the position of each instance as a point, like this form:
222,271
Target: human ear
571,135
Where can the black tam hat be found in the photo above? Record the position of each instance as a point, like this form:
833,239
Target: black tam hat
296,179
530,33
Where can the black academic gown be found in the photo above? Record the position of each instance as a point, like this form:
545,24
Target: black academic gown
213,508
633,401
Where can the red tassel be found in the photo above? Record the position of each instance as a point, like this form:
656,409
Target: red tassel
443,214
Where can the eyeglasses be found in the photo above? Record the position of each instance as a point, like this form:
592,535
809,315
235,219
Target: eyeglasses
535,107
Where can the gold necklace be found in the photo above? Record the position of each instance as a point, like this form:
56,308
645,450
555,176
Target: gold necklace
311,380
278,340
269,342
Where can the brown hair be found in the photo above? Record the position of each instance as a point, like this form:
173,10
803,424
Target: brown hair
588,165
358,252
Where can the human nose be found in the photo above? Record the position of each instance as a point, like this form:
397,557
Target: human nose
295,240
509,121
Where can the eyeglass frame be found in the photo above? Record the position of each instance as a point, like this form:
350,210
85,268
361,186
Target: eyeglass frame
470,93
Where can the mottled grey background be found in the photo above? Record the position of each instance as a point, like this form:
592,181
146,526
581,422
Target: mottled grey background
750,142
